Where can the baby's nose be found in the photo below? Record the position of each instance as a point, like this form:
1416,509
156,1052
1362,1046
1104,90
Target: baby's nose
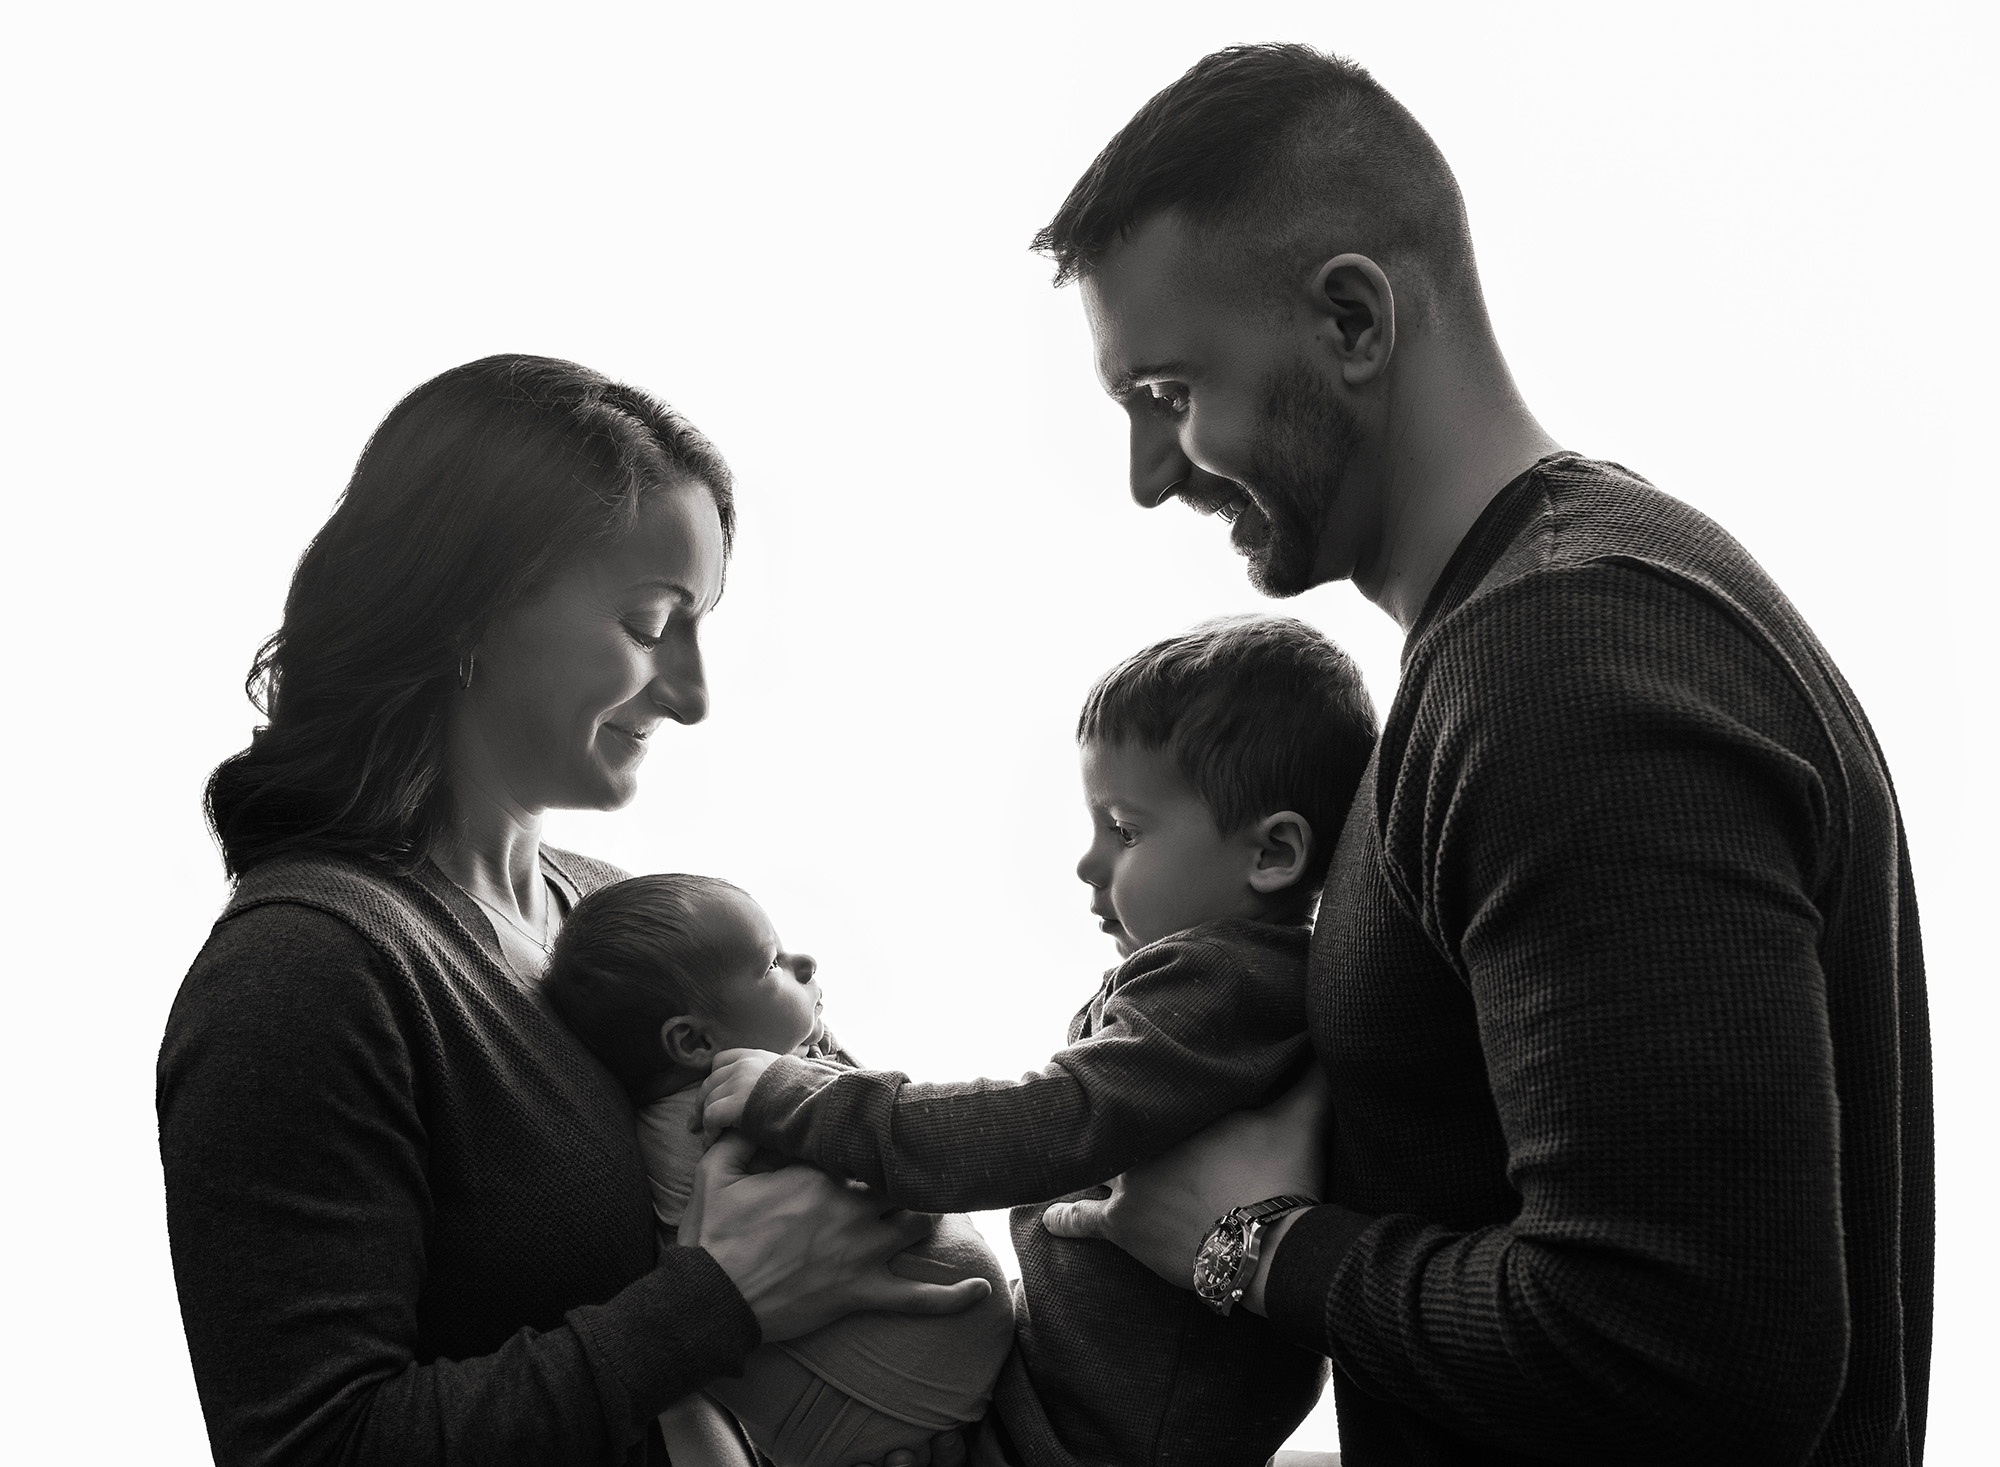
803,967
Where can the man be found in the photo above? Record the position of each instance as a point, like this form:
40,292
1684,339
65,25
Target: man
1616,982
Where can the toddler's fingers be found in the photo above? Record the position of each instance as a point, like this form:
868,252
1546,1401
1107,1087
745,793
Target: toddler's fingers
720,1115
1081,1219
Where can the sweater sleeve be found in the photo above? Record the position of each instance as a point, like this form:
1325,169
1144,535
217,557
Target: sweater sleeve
297,1205
1619,849
1194,1028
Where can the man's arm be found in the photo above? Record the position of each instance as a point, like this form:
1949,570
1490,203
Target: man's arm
1196,1028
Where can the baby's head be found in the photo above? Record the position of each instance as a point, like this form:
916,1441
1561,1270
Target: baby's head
658,974
1218,766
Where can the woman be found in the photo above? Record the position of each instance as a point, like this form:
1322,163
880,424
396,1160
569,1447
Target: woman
408,1218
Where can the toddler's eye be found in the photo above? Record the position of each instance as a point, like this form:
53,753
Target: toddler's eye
1171,396
1126,834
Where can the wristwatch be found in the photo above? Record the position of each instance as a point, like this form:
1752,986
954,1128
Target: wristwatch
1226,1261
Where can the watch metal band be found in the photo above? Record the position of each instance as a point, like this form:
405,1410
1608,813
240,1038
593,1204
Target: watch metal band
1233,1243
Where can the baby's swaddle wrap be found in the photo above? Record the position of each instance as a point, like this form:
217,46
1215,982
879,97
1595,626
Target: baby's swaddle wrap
868,1383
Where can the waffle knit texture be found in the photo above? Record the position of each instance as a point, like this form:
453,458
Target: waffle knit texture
1112,1365
1618,983
408,1216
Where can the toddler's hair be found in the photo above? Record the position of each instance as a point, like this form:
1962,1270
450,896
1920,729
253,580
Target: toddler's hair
1259,714
629,957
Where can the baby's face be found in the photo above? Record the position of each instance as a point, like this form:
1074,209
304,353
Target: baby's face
1157,863
767,998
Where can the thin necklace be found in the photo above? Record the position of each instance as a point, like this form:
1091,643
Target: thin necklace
544,942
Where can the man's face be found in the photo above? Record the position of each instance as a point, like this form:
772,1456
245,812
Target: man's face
1229,411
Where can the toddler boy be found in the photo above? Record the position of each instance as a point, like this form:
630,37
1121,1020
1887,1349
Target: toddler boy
1218,767
658,974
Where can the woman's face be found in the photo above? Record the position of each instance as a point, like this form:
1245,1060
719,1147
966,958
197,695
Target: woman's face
568,687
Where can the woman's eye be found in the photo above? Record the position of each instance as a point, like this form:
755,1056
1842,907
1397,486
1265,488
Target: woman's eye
648,640
1173,396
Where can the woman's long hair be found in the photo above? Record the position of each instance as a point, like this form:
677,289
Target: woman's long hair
477,487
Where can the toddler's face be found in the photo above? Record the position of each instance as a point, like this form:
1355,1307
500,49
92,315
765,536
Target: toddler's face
1157,863
767,998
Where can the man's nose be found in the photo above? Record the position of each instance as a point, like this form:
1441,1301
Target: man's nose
1158,465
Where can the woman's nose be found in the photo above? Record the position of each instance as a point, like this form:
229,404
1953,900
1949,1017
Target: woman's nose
680,686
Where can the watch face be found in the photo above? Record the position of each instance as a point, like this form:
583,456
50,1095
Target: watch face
1219,1262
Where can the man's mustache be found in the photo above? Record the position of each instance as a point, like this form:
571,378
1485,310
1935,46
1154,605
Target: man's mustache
1212,495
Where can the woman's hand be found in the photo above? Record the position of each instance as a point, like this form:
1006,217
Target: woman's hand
1160,1212
804,1249
726,1091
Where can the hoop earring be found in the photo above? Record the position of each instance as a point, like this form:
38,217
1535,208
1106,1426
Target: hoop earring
466,665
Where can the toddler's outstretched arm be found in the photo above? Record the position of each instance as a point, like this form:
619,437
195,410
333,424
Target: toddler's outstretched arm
1198,1025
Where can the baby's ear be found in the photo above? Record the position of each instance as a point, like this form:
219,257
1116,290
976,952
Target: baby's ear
1284,844
687,1042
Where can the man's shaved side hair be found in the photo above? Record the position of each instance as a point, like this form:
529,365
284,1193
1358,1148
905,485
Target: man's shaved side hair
1286,155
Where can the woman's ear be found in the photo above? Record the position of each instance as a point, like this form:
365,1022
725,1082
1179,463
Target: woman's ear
1284,843
1357,316
687,1042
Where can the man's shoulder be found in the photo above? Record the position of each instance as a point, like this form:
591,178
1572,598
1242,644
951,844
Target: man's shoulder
1601,572
1593,536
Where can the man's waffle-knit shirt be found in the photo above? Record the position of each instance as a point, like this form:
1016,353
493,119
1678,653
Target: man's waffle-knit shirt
1113,1365
1618,985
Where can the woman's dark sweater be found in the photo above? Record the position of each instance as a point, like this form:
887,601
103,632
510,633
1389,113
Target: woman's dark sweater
408,1216
1618,984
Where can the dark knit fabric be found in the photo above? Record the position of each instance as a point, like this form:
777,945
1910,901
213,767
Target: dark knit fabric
1618,983
1112,1365
408,1217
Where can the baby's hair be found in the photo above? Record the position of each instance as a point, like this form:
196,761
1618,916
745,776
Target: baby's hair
1259,714
629,957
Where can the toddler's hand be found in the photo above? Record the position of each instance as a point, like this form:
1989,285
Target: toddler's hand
727,1089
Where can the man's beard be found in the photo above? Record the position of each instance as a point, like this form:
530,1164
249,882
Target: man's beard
1306,439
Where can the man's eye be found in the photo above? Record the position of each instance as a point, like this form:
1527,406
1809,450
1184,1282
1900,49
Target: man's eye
1173,396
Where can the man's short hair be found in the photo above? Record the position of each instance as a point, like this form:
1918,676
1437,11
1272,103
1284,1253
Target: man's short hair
1258,713
1279,149
629,957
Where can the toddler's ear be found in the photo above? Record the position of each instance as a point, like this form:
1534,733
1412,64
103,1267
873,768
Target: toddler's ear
1284,844
686,1042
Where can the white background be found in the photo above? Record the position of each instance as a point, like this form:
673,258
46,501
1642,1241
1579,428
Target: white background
1745,249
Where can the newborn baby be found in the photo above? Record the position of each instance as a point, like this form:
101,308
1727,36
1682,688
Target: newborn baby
659,974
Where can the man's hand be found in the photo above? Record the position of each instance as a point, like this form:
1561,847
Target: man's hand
726,1091
1160,1212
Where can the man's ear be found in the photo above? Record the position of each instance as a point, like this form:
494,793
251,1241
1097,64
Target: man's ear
1284,844
1357,316
687,1042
